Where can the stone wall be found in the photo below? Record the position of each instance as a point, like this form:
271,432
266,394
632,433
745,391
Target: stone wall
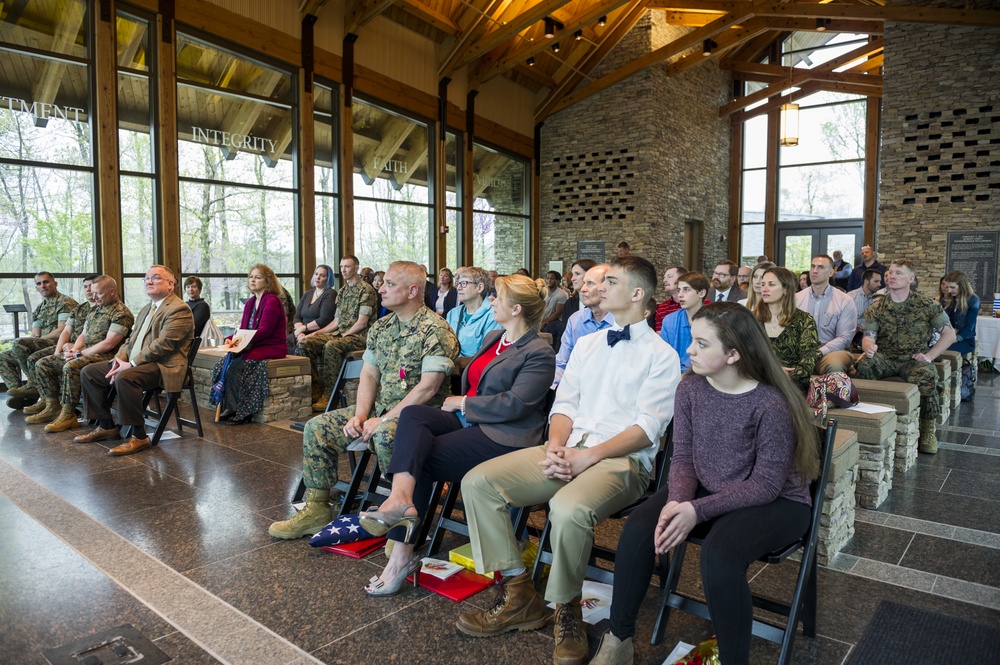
638,160
940,161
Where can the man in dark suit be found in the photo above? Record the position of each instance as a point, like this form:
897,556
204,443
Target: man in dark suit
155,355
724,286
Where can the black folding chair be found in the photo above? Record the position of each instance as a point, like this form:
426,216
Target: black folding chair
803,604
162,415
350,369
597,552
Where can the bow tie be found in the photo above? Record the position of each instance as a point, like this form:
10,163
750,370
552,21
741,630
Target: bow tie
615,336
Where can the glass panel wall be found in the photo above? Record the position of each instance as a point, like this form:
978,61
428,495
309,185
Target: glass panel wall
136,155
327,140
501,207
393,202
238,189
453,200
46,151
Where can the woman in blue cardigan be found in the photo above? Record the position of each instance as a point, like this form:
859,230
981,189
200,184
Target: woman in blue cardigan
962,307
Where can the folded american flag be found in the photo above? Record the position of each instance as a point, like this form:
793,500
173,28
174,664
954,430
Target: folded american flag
346,529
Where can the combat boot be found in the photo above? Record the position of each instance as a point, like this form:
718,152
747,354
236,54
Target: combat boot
320,404
37,407
66,421
515,606
928,436
315,515
571,637
50,413
23,390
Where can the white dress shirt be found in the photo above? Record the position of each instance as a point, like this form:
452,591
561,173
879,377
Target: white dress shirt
836,317
607,389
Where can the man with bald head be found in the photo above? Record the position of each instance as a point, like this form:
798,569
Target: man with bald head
155,355
589,320
409,354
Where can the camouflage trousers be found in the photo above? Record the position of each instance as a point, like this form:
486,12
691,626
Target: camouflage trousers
323,440
922,375
59,378
330,351
15,360
31,369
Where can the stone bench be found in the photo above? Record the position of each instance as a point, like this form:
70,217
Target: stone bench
288,379
954,358
876,434
905,398
944,373
836,525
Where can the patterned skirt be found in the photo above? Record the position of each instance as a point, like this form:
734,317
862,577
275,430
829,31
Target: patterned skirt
246,386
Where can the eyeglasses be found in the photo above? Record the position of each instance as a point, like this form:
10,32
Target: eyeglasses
720,274
464,283
150,280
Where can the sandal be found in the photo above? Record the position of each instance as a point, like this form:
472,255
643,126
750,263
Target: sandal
376,587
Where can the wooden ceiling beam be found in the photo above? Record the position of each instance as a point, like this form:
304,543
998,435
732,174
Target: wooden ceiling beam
517,50
900,13
472,28
620,28
507,26
691,39
415,157
431,16
360,12
725,42
807,89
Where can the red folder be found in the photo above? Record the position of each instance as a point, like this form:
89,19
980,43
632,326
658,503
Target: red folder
358,549
458,587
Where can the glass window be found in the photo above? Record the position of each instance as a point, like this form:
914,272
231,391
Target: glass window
47,213
754,192
828,133
393,213
821,191
453,201
752,244
755,142
327,203
238,188
501,205
138,182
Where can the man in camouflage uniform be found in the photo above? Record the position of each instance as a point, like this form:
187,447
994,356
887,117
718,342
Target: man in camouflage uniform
898,329
47,323
73,324
347,332
408,360
104,330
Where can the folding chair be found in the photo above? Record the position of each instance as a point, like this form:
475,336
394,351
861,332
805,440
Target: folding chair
162,415
350,369
803,604
597,552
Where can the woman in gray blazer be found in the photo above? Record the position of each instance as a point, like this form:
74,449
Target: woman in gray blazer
501,409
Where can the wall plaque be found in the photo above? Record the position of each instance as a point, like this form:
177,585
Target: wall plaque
590,249
975,253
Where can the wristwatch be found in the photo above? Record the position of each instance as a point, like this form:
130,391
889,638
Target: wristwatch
79,354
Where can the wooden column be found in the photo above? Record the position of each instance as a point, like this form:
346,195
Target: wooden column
105,128
468,255
771,185
347,149
736,190
440,258
307,183
166,134
872,122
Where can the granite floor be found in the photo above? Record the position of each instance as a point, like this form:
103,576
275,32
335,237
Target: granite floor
174,541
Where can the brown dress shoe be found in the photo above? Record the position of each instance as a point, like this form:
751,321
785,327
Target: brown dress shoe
132,445
98,434
516,606
571,637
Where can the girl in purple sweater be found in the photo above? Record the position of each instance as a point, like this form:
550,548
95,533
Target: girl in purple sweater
246,385
744,452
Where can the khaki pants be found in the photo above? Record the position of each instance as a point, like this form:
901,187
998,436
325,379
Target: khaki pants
575,508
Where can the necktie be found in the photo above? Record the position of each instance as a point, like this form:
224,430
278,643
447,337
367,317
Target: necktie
615,336
719,299
141,337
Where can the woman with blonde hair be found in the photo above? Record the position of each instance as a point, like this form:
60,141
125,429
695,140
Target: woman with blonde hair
245,385
792,332
500,410
962,305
